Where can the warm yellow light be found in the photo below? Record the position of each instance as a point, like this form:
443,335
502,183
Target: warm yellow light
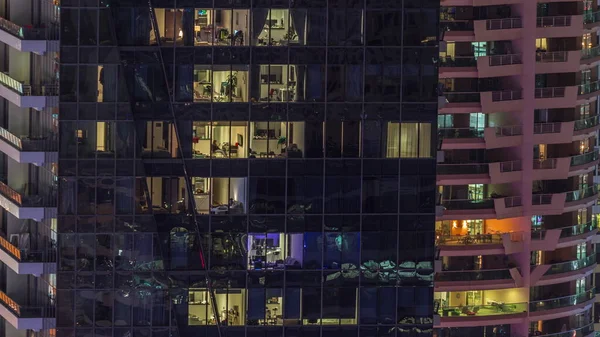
464,223
454,224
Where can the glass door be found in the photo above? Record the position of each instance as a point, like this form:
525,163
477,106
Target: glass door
580,285
581,251
586,80
475,191
582,216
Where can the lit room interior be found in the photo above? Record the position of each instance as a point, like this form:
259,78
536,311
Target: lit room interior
231,306
159,141
272,139
275,251
220,195
97,137
221,83
408,140
482,302
167,195
219,139
221,27
474,231
170,25
277,29
278,83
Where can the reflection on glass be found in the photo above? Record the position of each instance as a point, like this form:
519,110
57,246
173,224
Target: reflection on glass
159,140
275,27
220,195
166,195
275,251
221,27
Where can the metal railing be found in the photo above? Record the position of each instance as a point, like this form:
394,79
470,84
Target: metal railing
540,128
505,60
30,143
461,240
566,232
462,169
47,255
11,194
561,302
23,311
489,310
458,61
580,332
544,164
554,21
551,57
552,92
586,123
473,275
460,204
588,88
582,194
585,158
28,89
541,199
460,132
590,52
457,25
591,17
511,166
8,247
515,201
507,95
507,131
508,23
462,97
29,33
568,266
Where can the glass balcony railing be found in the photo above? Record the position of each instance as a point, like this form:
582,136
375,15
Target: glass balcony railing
505,60
541,199
27,90
462,97
544,164
22,311
507,131
541,128
585,158
473,275
29,33
554,21
44,198
569,266
507,95
460,132
591,17
580,332
462,168
30,143
511,166
588,88
582,194
466,204
48,255
508,23
456,25
494,309
462,240
589,53
551,57
586,123
552,92
458,61
561,302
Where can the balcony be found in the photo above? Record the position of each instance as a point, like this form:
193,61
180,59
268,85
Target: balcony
558,62
588,90
581,198
499,65
477,279
28,96
460,174
458,66
28,39
502,101
461,138
561,306
496,313
498,29
586,331
555,97
478,3
583,163
457,30
590,56
551,239
563,271
21,206
26,317
506,171
28,150
503,136
27,262
552,168
479,244
461,102
591,20
548,204
467,208
553,133
559,26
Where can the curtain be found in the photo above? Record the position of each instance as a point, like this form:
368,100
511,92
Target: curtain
259,18
299,19
300,83
393,140
424,140
409,140
354,87
142,26
108,79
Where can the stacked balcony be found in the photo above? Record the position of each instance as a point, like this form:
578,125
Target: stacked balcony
39,40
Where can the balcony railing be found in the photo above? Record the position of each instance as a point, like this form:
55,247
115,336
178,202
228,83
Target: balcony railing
26,311
48,255
511,166
569,266
508,23
588,53
544,164
566,232
541,128
541,199
505,60
462,168
554,21
457,25
551,57
588,88
473,275
462,97
27,89
466,204
458,61
460,132
39,200
586,123
582,194
515,201
591,17
507,131
562,302
552,92
585,158
461,240
580,332
29,33
485,310
507,95
29,144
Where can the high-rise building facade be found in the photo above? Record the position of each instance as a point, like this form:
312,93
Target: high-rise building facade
246,168
516,231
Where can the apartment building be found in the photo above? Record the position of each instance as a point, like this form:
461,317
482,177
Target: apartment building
516,229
